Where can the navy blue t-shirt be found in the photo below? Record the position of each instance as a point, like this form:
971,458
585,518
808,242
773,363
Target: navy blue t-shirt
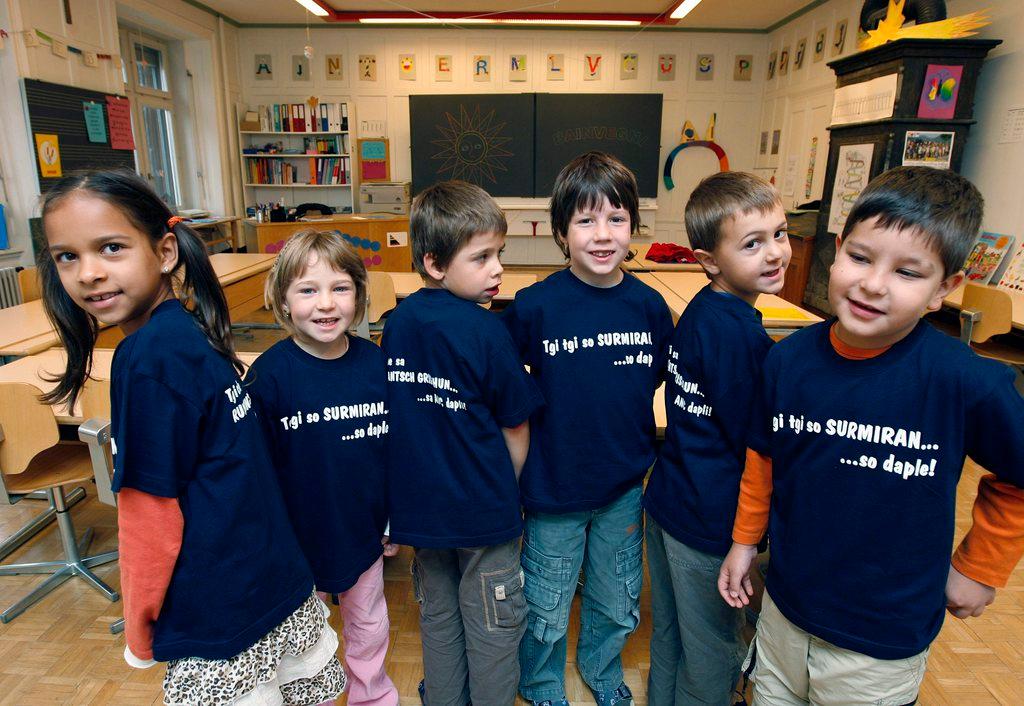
714,367
454,381
598,355
184,427
866,456
326,424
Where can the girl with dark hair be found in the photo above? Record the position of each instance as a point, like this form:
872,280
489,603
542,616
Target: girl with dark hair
213,580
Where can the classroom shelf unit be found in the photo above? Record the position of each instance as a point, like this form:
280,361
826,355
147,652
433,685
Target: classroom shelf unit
274,163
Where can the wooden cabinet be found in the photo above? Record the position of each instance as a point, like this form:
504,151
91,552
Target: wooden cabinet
381,240
799,268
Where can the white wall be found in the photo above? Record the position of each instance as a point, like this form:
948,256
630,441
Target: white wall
736,102
800,105
94,27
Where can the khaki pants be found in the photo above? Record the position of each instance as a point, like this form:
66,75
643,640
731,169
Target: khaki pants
795,667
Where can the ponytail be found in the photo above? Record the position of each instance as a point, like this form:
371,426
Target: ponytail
200,291
201,288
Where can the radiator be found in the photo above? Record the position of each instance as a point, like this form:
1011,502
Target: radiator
10,290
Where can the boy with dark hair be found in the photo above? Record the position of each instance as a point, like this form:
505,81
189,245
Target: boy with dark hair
737,228
595,342
858,443
459,403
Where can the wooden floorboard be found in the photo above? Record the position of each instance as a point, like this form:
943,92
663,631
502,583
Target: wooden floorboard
60,651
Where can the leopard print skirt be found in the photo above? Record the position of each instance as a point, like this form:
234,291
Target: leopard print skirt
293,664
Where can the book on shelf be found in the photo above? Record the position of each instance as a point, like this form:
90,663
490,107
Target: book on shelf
1013,275
299,117
987,258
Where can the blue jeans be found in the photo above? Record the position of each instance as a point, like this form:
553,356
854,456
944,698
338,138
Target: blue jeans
608,544
696,644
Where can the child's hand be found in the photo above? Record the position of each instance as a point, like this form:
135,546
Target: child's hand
389,548
733,579
965,597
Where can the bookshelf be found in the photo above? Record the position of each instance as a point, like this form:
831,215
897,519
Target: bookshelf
282,164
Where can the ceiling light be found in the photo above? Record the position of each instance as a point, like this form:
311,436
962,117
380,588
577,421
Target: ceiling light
313,7
684,9
491,21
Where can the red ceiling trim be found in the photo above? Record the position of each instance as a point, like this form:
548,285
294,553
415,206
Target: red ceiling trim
355,16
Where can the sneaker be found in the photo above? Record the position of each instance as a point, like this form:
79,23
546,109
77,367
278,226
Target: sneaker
549,702
422,690
620,696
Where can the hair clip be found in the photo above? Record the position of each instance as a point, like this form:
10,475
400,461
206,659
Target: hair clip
173,221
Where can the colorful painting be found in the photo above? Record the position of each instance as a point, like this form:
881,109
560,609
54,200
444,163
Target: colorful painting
628,65
839,37
481,67
939,92
556,67
666,67
773,59
443,67
48,152
811,159
990,249
784,61
592,67
300,67
367,67
853,171
819,44
705,67
798,58
264,66
743,69
407,67
517,67
334,64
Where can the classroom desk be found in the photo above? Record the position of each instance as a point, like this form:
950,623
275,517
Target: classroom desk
640,263
408,282
232,234
777,314
25,330
33,369
676,304
954,300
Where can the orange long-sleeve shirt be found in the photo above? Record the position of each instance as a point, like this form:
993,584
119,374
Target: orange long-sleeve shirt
149,530
989,552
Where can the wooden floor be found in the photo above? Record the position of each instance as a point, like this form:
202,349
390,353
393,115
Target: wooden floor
60,651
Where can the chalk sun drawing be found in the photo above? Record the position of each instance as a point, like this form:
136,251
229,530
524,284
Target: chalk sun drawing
471,146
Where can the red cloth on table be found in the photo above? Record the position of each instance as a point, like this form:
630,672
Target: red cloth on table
670,252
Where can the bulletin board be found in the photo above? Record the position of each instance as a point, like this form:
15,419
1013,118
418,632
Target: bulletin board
59,110
374,158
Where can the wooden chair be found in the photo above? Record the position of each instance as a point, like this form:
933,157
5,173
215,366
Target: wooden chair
380,292
32,458
28,281
986,312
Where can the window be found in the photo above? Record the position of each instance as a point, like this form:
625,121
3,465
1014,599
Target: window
153,105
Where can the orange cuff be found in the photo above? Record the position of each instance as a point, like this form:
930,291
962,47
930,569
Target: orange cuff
994,544
149,530
755,499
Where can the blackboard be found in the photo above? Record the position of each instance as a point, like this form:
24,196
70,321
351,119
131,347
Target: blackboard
54,109
625,125
483,139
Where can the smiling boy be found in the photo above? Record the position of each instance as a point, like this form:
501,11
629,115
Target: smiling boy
595,342
737,229
860,570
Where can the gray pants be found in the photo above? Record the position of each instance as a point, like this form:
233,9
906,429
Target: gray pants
472,617
696,644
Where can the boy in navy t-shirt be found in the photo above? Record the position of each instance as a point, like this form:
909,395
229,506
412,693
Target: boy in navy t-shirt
737,228
859,438
595,342
459,403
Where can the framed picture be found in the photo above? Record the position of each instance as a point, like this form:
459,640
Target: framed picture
374,159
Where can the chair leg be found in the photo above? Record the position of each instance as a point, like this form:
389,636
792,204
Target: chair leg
36,525
73,563
117,626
